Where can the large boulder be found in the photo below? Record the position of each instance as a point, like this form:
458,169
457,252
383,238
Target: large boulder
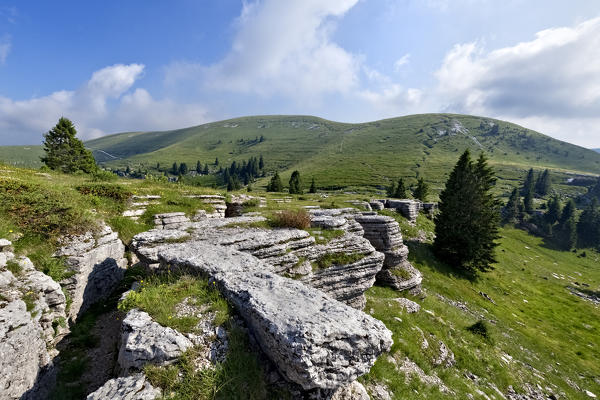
97,262
314,340
144,341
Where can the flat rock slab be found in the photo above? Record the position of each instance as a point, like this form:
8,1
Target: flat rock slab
314,340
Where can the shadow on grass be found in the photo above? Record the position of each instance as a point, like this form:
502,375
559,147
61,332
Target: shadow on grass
422,254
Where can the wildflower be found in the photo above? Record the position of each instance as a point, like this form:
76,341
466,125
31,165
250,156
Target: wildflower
10,231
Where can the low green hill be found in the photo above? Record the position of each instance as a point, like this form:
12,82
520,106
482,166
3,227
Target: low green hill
343,155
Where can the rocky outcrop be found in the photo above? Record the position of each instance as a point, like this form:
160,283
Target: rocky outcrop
144,341
384,234
174,220
134,387
32,320
97,263
408,208
314,340
215,201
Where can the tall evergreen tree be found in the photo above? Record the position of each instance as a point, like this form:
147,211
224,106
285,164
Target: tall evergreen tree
513,211
565,234
313,187
528,192
295,184
554,210
175,169
183,169
588,227
198,167
275,184
422,190
543,185
261,162
217,161
65,152
391,190
205,169
466,226
400,192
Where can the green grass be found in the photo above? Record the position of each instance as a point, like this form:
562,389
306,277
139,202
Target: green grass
160,294
331,259
14,267
535,320
324,236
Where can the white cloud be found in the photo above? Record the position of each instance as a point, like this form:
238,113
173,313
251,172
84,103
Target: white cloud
554,77
103,104
5,46
401,62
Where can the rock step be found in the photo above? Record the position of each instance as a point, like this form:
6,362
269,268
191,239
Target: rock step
314,340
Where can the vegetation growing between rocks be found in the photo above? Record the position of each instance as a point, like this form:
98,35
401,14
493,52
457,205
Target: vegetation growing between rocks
332,259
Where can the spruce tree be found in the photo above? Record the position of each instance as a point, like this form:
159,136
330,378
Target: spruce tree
313,187
391,190
275,185
65,152
261,162
295,184
528,192
175,169
565,234
422,190
400,192
588,227
554,210
513,211
198,167
543,185
217,161
466,226
183,169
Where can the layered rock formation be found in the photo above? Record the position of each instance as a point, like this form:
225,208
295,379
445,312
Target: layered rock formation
384,234
32,320
315,341
134,387
97,263
408,208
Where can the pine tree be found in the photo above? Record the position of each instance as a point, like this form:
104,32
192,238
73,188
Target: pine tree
175,169
295,185
513,211
422,190
217,161
528,192
554,210
400,192
565,234
261,162
391,190
205,169
543,185
183,169
275,185
313,187
128,170
66,153
588,227
198,167
466,226
158,166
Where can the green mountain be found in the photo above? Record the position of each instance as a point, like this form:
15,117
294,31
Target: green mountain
346,155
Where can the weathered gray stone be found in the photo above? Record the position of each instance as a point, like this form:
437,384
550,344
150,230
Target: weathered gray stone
408,208
314,340
354,391
377,205
144,341
97,264
408,305
134,387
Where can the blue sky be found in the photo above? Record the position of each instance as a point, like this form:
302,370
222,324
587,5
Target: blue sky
152,65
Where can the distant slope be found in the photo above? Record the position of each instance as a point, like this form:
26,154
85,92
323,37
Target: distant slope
21,156
342,154
598,150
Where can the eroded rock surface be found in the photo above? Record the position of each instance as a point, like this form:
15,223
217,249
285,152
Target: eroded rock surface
144,341
97,262
314,340
134,387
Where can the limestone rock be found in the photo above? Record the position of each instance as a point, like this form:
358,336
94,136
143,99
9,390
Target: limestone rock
408,305
97,263
144,341
174,220
134,387
314,340
408,208
354,391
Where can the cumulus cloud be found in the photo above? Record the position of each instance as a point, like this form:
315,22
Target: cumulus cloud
103,104
5,45
555,76
401,62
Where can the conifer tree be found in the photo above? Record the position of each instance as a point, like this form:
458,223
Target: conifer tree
198,167
422,190
565,235
513,211
543,185
217,161
183,169
261,162
206,169
391,190
554,210
588,227
313,187
400,192
467,223
295,184
275,184
65,152
528,192
175,169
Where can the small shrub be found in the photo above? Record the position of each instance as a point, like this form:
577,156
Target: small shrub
401,273
292,219
480,328
14,267
114,192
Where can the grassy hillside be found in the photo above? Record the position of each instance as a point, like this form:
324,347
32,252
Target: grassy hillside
21,156
342,155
